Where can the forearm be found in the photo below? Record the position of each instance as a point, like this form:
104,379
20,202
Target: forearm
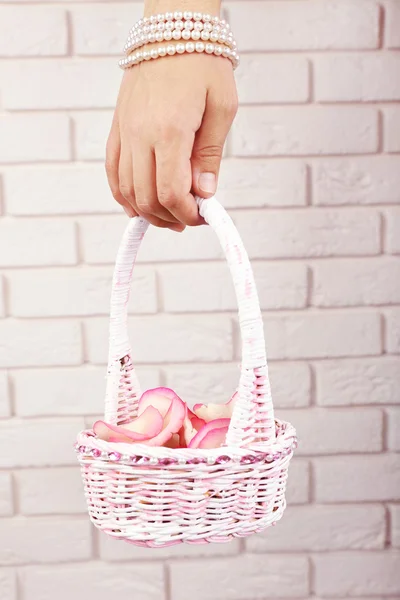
152,7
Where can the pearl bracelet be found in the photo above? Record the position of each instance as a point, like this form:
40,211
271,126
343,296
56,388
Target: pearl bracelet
217,49
177,30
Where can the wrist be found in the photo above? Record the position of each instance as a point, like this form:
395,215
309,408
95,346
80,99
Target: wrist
152,7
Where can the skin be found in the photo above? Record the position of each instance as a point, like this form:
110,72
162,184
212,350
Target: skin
169,128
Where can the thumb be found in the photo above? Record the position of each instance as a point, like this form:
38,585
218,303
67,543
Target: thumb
207,149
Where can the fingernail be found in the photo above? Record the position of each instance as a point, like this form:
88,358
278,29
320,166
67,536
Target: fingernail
128,211
207,183
178,227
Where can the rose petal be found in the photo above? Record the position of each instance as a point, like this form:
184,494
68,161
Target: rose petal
173,421
214,438
160,398
209,412
190,427
217,424
147,425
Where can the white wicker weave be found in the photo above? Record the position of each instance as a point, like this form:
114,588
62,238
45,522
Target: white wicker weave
156,496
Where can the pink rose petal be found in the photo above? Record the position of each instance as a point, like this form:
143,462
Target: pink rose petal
210,412
173,421
160,398
147,425
216,438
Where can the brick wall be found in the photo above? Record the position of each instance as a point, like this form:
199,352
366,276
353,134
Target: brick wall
312,179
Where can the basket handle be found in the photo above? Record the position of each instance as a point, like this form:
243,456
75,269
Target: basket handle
253,417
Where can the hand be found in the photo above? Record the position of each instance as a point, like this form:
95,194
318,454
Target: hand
165,146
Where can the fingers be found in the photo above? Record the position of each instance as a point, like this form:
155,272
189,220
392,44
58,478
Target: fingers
147,202
209,143
113,152
174,176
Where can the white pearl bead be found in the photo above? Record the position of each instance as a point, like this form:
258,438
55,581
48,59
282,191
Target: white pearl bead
162,51
199,47
176,34
146,29
198,26
187,15
206,17
223,23
160,17
152,38
195,35
222,39
139,55
169,25
209,48
159,36
171,49
167,35
214,36
190,47
178,16
146,55
208,27
205,35
161,27
226,52
154,53
143,38
197,16
217,50
153,27
169,16
142,21
186,34
215,20
179,25
180,48
189,25
153,19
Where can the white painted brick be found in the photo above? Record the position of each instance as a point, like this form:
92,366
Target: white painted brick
264,79
298,483
50,491
162,339
290,383
196,288
8,584
336,430
231,579
114,551
370,573
6,496
320,528
393,230
103,30
358,381
304,25
40,343
62,80
2,297
48,540
393,331
311,233
32,31
34,137
394,429
93,580
371,478
306,130
5,399
395,525
323,335
357,77
58,190
391,135
91,131
246,183
392,23
21,442
27,242
100,237
67,391
74,292
361,282
357,180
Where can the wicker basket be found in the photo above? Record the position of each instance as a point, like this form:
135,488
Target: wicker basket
156,496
